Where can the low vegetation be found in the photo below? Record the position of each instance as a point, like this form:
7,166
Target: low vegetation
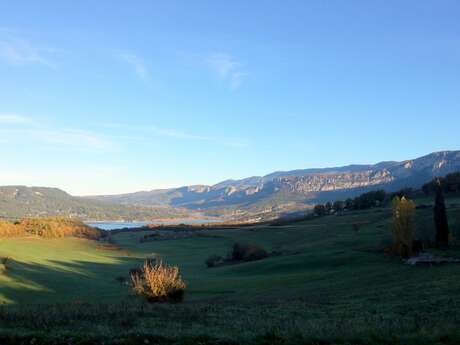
158,282
247,252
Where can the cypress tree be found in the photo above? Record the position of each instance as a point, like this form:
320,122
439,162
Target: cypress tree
440,217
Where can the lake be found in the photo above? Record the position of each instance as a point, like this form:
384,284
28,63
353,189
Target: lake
111,225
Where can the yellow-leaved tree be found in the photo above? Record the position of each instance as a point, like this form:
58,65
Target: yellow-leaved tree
403,226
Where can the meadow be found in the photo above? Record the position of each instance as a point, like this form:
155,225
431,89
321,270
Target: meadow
328,281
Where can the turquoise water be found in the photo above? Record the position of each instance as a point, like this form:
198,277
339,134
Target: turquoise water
111,225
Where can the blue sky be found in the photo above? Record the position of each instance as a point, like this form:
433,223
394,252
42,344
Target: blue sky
111,96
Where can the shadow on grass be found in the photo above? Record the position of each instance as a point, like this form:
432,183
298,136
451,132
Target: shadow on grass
68,281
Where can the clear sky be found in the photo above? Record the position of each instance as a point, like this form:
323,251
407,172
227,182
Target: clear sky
117,96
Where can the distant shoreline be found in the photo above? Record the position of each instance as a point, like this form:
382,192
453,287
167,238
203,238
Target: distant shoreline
119,224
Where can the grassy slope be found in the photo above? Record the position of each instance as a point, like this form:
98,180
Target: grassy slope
324,257
61,270
330,274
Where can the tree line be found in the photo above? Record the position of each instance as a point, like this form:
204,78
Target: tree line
361,202
449,184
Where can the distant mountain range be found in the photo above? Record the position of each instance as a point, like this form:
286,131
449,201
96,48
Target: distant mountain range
286,191
21,201
257,196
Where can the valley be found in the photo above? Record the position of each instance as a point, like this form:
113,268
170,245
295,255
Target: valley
322,270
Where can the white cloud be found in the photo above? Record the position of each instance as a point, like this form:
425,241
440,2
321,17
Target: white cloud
227,68
17,128
179,134
174,133
137,63
18,51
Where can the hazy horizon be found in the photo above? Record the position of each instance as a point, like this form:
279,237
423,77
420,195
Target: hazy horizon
167,94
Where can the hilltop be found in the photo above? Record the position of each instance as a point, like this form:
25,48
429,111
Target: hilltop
250,199
22,201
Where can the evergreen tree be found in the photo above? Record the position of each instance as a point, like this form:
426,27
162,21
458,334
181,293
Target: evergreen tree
440,217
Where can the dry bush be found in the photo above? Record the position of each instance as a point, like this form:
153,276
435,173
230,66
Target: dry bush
403,226
159,283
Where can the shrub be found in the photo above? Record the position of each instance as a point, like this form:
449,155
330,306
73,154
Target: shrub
214,260
159,283
247,252
403,226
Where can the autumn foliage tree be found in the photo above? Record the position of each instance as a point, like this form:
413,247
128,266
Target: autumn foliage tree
403,226
440,217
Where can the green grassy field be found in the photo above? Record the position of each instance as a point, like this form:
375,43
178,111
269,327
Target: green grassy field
330,282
